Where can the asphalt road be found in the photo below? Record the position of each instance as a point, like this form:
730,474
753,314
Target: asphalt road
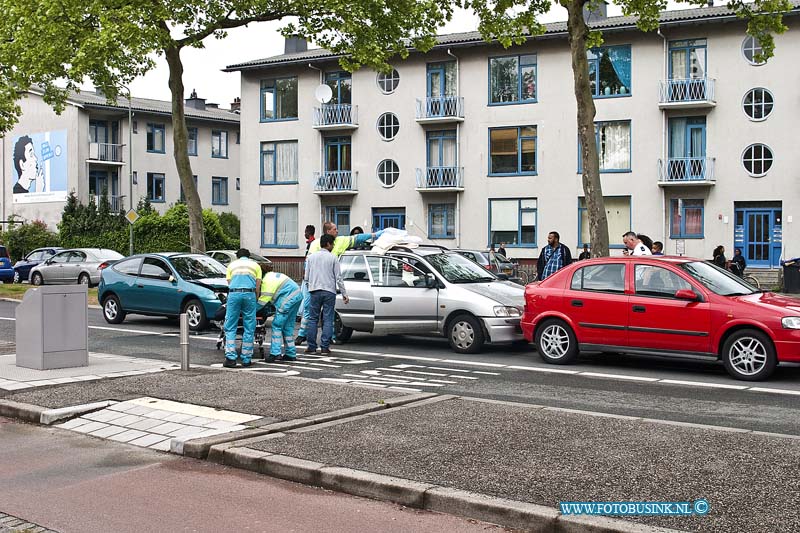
657,388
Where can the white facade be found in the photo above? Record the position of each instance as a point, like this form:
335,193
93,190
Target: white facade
721,203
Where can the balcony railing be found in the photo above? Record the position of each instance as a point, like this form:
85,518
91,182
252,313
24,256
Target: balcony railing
336,182
440,178
692,92
115,201
686,170
440,109
332,116
106,152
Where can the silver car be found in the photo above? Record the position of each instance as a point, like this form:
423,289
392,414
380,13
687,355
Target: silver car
76,265
428,290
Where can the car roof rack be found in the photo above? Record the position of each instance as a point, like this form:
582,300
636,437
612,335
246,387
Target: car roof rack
407,248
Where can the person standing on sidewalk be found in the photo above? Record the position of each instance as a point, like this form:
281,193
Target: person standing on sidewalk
285,295
323,278
309,234
553,258
244,288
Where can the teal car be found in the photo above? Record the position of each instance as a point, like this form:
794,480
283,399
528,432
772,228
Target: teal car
164,284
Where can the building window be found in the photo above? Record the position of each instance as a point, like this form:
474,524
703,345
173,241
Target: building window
135,177
279,162
279,99
686,219
98,131
513,221
219,191
388,82
610,71
388,126
758,103
751,48
441,221
613,146
155,187
618,213
512,151
512,79
192,140
757,159
238,184
388,172
155,138
687,59
341,84
339,215
135,127
183,193
238,137
279,226
219,144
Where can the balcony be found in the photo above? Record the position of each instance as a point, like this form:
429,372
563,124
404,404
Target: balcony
336,117
686,171
106,153
440,109
440,179
332,182
114,201
693,93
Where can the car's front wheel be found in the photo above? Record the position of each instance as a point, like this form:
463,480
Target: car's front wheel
112,310
341,332
556,342
37,279
465,334
196,315
749,355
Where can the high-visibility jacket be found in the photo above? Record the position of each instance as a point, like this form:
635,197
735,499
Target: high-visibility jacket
243,274
341,244
271,285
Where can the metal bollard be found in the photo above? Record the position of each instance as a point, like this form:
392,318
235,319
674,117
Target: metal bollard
184,341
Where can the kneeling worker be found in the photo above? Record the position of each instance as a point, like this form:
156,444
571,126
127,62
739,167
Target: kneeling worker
285,295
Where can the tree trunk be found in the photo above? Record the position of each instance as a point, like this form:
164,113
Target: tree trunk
592,188
180,141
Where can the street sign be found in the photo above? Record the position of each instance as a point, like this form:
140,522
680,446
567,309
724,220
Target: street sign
132,216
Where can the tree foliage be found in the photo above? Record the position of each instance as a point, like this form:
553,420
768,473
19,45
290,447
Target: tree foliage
22,238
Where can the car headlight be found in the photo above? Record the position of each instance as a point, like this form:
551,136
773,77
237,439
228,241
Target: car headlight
791,322
502,310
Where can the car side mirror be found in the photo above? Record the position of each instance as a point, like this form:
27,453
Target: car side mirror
171,278
686,294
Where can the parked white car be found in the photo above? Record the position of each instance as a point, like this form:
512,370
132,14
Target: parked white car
76,265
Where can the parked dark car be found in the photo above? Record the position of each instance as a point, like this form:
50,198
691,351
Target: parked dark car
495,263
6,270
22,268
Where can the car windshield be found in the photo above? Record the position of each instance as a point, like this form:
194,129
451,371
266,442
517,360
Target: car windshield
259,258
197,267
718,280
458,269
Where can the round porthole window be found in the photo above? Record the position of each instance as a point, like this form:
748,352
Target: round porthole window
751,48
388,82
388,126
758,103
757,159
388,172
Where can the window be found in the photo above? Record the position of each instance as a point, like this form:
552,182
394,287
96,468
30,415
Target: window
388,126
513,221
613,146
341,84
279,226
135,127
610,71
392,272
155,187
155,269
98,131
686,219
192,141
606,278
512,151
339,215
135,177
155,138
441,221
219,144
758,103
279,162
757,159
751,48
183,193
219,191
658,281
687,59
388,172
279,99
388,82
128,266
238,137
512,79
354,268
618,213
238,184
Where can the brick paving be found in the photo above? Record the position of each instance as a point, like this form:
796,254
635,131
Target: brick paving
13,524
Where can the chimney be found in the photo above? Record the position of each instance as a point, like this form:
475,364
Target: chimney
212,106
236,105
294,44
194,102
595,13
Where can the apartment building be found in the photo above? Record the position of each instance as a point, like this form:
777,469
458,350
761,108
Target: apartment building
91,150
472,144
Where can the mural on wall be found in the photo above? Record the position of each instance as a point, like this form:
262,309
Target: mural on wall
40,167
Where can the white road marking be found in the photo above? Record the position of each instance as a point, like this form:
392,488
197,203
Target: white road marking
544,369
460,377
775,391
702,384
617,376
447,369
486,373
472,363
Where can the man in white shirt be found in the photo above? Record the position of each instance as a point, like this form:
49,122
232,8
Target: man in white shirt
634,246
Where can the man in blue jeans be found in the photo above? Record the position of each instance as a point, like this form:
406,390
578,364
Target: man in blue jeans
323,278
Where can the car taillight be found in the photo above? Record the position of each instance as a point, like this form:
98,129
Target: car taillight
103,265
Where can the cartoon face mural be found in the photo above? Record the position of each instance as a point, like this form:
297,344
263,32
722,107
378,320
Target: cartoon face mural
40,167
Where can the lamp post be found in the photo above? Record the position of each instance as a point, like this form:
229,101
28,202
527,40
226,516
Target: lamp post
130,169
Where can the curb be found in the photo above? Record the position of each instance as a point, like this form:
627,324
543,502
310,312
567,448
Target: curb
90,306
44,416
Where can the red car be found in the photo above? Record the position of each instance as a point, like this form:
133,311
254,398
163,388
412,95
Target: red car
672,306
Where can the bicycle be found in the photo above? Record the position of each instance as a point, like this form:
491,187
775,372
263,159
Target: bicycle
747,278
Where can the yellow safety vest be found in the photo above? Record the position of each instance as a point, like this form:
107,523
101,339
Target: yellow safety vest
340,245
270,285
243,266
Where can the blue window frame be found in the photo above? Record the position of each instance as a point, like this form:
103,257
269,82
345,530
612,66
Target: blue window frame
192,141
512,151
341,84
687,59
339,215
155,187
278,99
155,138
219,144
219,190
686,219
441,79
98,131
388,217
183,193
614,147
618,214
610,71
513,221
279,226
442,221
338,154
279,163
512,79
442,149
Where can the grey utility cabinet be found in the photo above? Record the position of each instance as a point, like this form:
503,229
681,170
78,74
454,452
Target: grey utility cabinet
53,327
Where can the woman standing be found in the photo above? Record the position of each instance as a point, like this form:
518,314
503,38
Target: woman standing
719,256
